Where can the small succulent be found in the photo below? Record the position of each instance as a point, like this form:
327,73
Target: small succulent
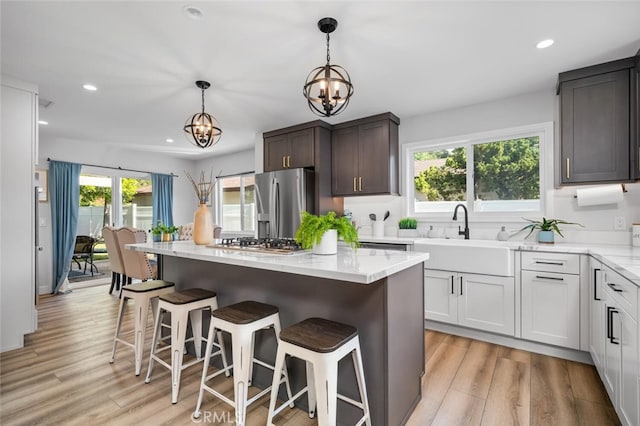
408,223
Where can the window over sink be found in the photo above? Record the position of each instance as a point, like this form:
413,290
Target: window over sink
495,174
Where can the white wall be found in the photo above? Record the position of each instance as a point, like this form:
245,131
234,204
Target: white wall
184,201
530,108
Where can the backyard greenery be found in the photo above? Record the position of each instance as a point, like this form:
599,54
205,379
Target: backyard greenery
504,170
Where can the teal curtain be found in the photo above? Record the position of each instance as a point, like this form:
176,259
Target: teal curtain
64,188
162,187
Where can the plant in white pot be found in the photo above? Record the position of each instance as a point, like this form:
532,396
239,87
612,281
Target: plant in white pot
408,227
320,233
546,228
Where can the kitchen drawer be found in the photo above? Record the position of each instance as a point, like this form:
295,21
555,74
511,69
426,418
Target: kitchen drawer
562,263
624,291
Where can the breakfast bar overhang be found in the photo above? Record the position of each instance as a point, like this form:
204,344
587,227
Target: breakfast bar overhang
380,292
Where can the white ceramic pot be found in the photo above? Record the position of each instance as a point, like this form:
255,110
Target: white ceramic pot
328,243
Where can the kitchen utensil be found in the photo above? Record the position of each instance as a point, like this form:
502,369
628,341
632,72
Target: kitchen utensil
386,215
372,216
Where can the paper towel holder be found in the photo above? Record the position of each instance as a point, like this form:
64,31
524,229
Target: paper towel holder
624,189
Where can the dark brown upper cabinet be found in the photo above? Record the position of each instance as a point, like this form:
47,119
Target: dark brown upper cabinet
305,145
635,112
364,156
598,119
289,150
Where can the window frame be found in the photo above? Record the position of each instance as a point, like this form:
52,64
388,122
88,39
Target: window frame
217,203
545,132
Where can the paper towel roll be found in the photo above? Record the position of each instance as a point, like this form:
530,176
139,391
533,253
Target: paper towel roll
610,194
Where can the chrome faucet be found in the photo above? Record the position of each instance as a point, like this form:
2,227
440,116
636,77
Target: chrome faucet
466,221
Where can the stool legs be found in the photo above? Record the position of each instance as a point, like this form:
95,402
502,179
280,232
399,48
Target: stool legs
311,391
140,327
118,326
326,387
357,363
241,366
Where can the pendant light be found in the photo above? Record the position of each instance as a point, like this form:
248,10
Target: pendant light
201,129
328,88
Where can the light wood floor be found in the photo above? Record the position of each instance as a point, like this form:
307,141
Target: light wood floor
62,376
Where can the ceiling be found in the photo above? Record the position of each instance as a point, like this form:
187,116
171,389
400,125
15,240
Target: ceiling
410,58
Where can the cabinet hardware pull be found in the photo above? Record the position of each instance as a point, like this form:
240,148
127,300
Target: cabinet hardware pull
550,278
614,288
540,262
460,286
595,284
360,183
354,185
612,338
608,321
284,165
288,161
568,168
452,290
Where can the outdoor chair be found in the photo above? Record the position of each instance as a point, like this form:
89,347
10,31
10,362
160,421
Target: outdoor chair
83,251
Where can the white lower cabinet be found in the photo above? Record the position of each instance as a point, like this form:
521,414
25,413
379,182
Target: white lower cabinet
483,302
622,353
550,295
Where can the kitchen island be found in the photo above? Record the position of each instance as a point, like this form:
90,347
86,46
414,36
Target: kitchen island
380,292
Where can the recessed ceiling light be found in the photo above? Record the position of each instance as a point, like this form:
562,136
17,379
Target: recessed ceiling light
544,44
169,140
44,123
193,12
89,87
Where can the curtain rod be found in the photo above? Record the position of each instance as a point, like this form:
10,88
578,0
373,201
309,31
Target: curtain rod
119,168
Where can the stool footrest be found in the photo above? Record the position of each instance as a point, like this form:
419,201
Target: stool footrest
346,399
290,400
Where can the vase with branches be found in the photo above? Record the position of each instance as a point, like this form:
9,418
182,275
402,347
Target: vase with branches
202,220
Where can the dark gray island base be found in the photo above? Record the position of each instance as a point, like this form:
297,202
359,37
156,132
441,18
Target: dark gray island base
388,314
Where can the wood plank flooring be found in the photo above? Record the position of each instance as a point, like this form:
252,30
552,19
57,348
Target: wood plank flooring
63,376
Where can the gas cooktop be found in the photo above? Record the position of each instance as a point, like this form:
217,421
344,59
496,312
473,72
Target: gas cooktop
259,245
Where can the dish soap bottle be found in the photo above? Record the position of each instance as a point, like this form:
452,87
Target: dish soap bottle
503,235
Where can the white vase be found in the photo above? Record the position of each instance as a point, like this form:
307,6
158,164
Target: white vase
328,243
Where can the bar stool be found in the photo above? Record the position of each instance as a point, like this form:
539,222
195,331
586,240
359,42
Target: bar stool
242,320
142,294
321,343
183,305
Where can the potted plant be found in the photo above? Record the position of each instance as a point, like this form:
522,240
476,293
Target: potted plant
546,228
320,233
157,231
408,227
169,233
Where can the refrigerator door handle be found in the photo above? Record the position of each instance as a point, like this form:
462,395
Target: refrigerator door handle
277,207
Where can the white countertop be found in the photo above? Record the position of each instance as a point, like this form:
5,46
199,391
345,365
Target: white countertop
387,239
362,266
622,258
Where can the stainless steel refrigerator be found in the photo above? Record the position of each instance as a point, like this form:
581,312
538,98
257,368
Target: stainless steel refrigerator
281,197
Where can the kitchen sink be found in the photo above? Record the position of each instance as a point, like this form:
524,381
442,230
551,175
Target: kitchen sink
488,257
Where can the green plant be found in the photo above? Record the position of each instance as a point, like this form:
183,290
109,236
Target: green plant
161,228
408,223
546,225
313,227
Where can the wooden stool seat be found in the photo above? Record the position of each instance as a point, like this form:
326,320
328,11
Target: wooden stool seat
148,286
245,312
142,294
319,334
188,295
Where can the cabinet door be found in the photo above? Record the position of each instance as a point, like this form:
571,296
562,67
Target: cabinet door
629,369
373,157
440,297
597,316
551,308
344,161
301,149
487,303
276,149
595,128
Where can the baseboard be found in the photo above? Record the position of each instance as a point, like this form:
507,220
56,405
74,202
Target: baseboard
512,342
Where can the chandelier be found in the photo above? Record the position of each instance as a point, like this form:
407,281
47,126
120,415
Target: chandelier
328,88
200,129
